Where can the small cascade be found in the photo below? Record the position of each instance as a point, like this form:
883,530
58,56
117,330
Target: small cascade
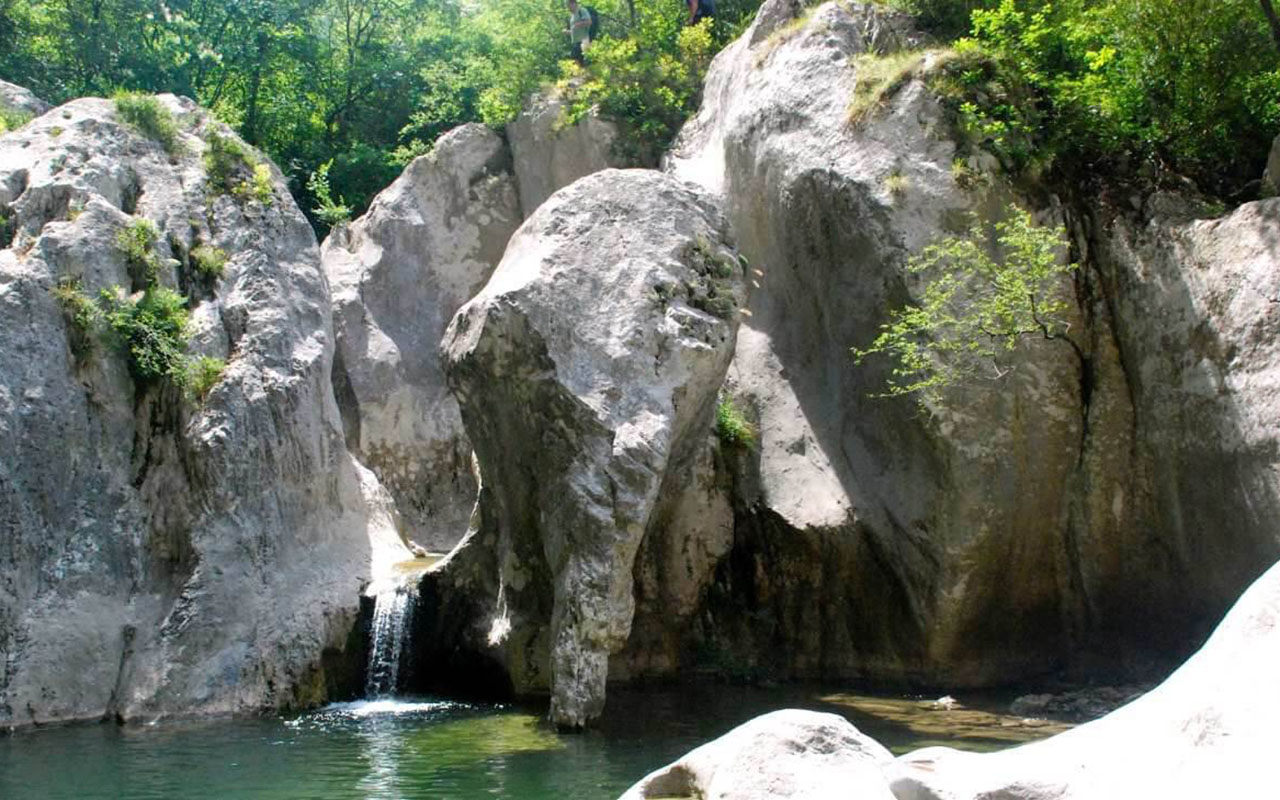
394,596
392,612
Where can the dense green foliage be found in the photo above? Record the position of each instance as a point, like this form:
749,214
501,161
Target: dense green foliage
982,292
361,86
1128,87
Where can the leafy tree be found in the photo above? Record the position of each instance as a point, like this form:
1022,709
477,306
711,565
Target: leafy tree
982,292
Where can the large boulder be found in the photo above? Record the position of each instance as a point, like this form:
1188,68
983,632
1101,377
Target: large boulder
587,372
549,154
18,98
991,534
872,539
427,244
1207,731
783,754
166,553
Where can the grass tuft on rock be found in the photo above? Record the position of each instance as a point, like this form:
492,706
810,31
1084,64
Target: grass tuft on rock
233,168
137,242
208,261
148,116
202,374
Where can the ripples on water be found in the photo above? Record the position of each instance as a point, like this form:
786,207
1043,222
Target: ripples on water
418,748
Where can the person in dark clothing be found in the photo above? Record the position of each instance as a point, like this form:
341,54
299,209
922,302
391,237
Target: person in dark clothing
700,10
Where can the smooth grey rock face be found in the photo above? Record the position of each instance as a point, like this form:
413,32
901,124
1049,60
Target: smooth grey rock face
587,372
549,155
1207,731
783,754
160,556
1271,177
1191,489
427,244
18,98
883,537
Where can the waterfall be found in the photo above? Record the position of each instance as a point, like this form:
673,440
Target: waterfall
392,612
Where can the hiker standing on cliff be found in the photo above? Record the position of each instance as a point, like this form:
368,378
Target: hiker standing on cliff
579,29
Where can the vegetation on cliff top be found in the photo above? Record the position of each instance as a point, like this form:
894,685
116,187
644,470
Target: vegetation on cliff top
1147,88
361,85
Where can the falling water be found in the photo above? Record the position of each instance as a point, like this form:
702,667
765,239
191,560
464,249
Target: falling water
392,611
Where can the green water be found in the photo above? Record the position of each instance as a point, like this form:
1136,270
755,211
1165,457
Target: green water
439,749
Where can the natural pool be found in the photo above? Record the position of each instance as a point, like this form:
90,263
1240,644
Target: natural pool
441,749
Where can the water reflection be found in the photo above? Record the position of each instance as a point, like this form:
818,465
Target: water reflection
439,749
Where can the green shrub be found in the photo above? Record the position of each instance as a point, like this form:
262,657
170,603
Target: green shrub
974,304
137,242
81,313
647,84
146,114
202,374
732,427
209,262
330,211
151,330
257,186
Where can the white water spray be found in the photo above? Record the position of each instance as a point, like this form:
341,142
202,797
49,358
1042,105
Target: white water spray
392,614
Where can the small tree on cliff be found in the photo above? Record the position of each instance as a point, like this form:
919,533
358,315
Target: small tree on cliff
974,306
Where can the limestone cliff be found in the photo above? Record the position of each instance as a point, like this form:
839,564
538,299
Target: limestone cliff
160,553
427,244
1108,497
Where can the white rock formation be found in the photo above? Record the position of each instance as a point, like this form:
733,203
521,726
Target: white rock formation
587,372
549,154
804,755
427,244
1207,731
19,98
160,555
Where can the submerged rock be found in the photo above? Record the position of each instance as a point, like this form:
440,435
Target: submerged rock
789,753
398,274
587,372
1207,731
166,553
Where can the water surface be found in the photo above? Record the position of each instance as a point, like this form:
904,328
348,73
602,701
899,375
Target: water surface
414,748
